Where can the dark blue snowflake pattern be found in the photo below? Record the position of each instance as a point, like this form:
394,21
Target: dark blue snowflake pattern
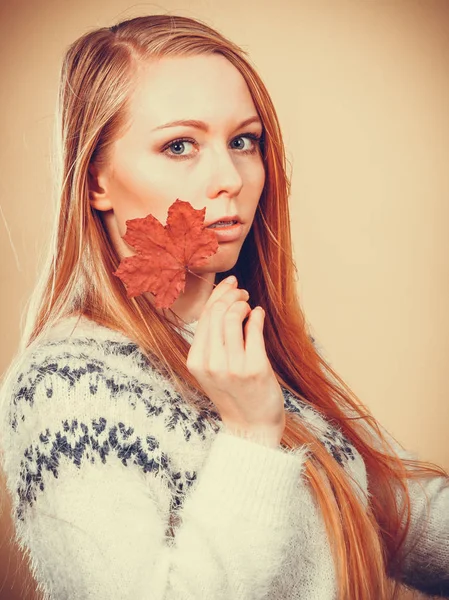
79,441
97,440
177,414
332,438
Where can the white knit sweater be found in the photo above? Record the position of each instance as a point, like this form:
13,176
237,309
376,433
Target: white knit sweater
122,491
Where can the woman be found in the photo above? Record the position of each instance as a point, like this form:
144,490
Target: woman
180,452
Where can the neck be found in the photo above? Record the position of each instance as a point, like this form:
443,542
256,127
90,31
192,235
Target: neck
189,305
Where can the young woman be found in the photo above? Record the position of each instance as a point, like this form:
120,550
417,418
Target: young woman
205,450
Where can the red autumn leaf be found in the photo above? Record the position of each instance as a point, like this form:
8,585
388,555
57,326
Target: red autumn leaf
164,254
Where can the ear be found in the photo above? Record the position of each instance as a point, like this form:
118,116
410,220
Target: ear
98,194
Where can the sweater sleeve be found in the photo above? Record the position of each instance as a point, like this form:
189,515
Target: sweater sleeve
97,529
426,566
426,549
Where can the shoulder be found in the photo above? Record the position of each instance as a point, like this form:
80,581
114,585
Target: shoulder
77,372
71,353
85,396
75,337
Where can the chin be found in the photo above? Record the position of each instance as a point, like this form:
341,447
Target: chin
224,260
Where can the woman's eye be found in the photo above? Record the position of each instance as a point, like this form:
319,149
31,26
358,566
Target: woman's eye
176,148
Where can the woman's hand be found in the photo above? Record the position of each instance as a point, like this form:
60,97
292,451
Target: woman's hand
233,369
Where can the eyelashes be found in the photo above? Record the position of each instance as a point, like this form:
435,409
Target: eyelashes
256,139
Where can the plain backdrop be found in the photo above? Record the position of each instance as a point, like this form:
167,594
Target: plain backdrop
362,93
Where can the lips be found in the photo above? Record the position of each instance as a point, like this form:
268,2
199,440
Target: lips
227,233
230,219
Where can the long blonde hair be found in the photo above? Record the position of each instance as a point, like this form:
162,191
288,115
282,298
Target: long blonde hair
97,81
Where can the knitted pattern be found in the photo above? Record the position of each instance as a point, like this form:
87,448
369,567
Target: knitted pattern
121,490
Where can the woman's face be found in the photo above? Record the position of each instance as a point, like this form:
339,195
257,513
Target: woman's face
219,167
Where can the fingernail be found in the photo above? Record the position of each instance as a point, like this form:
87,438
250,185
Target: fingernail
231,279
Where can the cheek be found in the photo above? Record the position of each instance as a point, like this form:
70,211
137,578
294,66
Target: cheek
256,182
255,176
140,192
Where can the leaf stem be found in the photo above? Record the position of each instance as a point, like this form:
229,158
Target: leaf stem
196,275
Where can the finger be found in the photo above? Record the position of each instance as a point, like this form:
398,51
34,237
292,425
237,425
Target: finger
229,293
203,326
216,356
233,335
218,310
254,340
222,288
215,341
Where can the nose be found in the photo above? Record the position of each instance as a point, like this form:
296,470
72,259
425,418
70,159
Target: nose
224,177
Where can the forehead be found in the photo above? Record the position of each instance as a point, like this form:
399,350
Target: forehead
206,87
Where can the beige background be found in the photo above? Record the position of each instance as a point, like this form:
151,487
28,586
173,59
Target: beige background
362,92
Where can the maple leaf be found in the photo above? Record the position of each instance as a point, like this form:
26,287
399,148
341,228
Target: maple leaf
165,253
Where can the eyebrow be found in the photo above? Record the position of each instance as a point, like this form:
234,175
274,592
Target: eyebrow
202,125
